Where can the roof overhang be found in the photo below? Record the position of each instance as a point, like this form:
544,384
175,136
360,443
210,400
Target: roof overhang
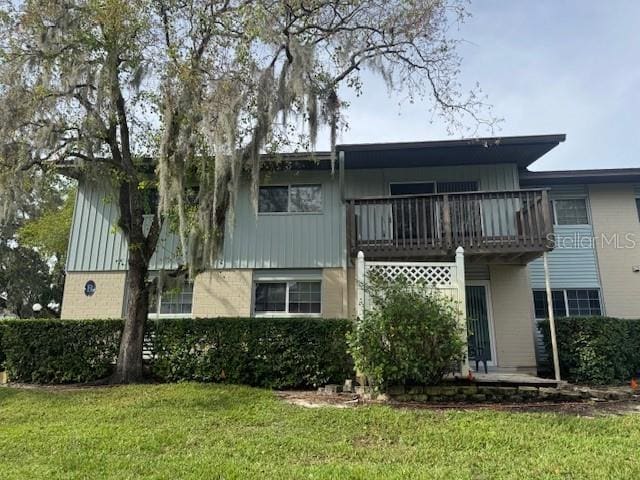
564,177
522,150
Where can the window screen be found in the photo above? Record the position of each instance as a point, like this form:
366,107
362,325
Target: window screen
583,302
295,297
540,303
305,198
304,297
568,302
571,212
290,198
271,297
273,199
173,301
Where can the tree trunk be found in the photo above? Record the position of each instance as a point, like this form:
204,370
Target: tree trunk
129,366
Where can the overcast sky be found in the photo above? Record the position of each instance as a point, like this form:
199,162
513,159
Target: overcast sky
548,66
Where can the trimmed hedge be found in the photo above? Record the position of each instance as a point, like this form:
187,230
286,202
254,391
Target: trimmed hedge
265,352
596,350
2,356
60,351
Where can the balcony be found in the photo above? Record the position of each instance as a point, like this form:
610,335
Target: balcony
497,226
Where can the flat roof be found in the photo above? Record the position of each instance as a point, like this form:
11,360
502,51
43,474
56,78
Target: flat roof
563,177
521,150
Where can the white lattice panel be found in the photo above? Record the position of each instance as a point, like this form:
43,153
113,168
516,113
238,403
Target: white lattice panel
435,275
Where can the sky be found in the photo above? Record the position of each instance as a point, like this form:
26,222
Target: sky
547,66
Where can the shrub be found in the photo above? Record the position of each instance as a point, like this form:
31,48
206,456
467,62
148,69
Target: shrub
265,352
60,351
595,350
410,335
2,356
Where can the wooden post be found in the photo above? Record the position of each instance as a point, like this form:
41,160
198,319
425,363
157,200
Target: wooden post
552,321
360,285
446,220
462,297
341,174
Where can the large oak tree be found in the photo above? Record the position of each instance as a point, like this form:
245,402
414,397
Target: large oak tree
196,90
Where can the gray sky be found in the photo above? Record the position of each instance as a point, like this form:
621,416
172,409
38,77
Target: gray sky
548,66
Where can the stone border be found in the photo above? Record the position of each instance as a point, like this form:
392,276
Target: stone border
488,394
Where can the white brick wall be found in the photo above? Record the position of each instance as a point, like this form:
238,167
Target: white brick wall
614,215
222,293
106,302
512,305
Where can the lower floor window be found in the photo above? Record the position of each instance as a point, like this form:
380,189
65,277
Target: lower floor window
568,302
177,300
293,297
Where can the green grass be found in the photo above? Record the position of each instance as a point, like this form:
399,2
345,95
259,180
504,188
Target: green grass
204,431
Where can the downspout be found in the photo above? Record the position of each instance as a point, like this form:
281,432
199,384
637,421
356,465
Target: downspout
345,252
552,321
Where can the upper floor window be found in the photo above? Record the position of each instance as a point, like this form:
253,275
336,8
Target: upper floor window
571,211
290,198
568,302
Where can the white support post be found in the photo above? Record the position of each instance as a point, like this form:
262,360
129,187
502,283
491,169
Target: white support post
360,285
552,320
462,297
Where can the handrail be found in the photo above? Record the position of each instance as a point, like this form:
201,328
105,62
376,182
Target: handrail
486,222
424,195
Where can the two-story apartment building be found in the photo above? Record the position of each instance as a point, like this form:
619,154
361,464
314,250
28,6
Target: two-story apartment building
413,202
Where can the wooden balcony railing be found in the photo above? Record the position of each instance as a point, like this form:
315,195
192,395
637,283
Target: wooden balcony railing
516,224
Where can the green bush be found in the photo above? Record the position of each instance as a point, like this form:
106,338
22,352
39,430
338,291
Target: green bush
410,335
595,350
60,351
2,356
265,352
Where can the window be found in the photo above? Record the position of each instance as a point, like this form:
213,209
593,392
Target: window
571,212
583,302
638,207
540,303
290,198
271,297
305,198
291,297
273,199
173,300
568,302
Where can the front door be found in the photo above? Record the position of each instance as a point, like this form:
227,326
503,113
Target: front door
480,323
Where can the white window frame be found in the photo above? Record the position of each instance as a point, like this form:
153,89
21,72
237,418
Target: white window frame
566,299
288,279
289,185
555,213
157,314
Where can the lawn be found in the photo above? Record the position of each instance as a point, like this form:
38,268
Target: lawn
204,431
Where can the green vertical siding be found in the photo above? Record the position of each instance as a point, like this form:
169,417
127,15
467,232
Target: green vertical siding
296,240
364,183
